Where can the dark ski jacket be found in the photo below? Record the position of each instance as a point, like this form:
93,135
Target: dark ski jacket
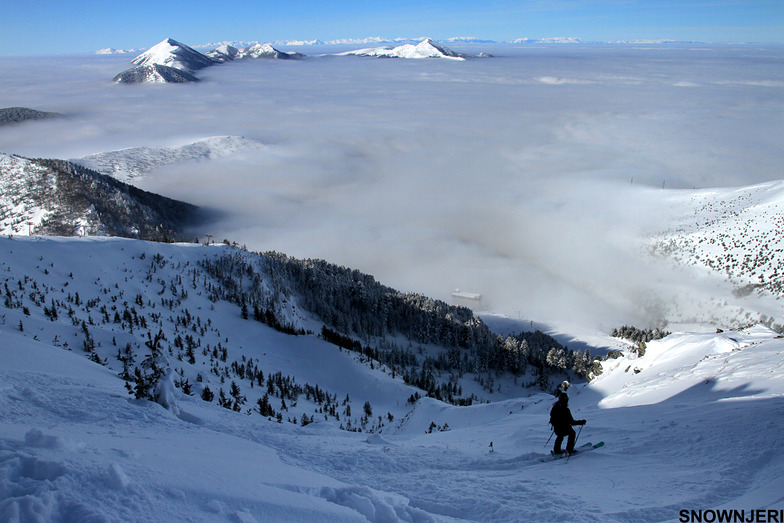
561,418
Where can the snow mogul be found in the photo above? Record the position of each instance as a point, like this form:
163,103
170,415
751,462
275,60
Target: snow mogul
562,421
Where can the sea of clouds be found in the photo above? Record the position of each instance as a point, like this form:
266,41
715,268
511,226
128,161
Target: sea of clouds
529,177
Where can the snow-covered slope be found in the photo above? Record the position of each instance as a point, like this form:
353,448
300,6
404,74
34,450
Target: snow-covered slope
731,365
56,197
74,447
693,424
154,74
131,165
425,49
735,232
174,54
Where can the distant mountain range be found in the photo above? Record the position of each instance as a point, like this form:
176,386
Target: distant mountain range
173,62
378,40
56,197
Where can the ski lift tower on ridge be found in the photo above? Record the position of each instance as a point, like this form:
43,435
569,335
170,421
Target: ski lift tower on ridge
472,300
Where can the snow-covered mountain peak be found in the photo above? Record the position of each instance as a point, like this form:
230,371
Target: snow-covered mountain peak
258,49
174,54
427,48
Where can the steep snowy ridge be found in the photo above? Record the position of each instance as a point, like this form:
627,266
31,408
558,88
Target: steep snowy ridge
690,424
132,165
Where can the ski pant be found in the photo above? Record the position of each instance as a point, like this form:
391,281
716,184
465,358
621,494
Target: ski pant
561,433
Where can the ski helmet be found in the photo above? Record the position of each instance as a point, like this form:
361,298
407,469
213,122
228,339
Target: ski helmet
565,385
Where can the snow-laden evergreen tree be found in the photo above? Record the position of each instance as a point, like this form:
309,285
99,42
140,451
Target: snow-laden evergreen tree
155,379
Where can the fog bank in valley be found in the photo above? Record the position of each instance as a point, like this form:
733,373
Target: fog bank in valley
529,177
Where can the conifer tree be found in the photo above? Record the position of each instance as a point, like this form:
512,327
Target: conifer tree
207,394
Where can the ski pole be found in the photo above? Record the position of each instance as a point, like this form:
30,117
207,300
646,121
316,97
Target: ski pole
551,437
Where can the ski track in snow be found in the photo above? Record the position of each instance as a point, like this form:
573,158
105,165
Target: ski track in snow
695,423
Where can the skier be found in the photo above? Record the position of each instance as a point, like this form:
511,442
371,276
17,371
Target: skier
561,419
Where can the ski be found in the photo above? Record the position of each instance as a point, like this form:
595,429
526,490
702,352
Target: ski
581,449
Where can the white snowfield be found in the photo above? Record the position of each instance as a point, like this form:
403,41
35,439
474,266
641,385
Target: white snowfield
693,424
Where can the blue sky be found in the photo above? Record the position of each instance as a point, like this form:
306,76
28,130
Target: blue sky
83,26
